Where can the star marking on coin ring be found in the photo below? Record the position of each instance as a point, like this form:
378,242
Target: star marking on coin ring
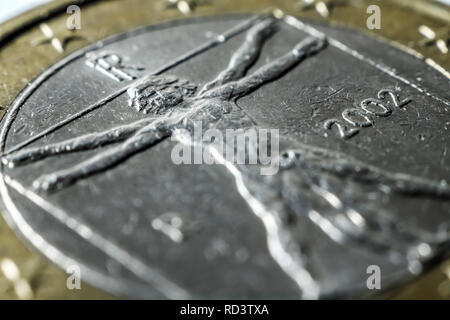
186,6
15,280
440,38
57,42
322,7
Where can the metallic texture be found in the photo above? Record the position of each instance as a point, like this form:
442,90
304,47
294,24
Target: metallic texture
339,190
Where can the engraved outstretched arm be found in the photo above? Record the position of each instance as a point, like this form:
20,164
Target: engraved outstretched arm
141,140
245,56
85,142
269,72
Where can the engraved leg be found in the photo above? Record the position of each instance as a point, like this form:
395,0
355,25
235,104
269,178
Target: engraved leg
142,140
245,56
330,204
85,142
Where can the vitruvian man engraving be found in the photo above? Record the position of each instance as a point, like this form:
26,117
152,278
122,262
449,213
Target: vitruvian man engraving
170,104
319,186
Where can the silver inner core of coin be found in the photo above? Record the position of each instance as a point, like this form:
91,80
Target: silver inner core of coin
361,178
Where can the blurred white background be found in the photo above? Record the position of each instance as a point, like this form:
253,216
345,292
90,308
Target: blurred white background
11,8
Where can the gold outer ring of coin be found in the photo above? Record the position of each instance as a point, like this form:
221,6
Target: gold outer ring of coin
32,42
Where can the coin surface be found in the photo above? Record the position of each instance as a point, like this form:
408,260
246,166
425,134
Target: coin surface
361,180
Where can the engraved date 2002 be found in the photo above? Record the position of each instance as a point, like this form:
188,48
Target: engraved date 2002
369,109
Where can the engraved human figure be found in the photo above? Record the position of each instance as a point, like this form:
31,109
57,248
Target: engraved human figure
314,184
170,104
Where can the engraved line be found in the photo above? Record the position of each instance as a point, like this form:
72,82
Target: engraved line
292,266
339,45
49,250
136,266
190,54
434,65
